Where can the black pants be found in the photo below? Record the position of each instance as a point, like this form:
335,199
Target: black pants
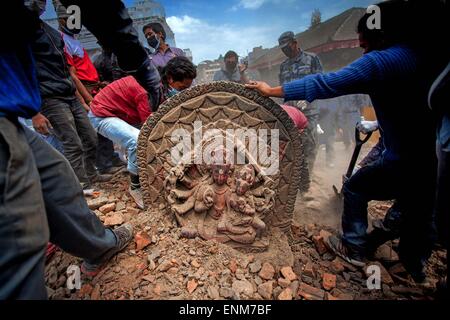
40,200
72,127
105,153
413,186
443,194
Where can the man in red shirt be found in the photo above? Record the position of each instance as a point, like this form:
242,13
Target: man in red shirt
121,107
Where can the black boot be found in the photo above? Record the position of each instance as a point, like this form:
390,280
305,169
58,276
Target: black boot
385,230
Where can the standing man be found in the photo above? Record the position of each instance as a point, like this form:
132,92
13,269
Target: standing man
232,72
62,112
298,65
350,113
156,39
87,82
328,120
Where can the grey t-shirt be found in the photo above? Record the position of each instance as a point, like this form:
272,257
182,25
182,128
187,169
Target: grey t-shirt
224,75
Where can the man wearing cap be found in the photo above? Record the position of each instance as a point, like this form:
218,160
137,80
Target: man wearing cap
298,65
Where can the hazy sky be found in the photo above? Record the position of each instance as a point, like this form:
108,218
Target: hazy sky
212,27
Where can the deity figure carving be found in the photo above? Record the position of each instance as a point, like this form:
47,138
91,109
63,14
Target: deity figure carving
226,204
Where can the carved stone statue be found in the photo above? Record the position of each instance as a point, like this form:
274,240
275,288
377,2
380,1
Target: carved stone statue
222,199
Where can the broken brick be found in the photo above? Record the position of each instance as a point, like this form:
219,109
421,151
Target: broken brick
320,244
233,266
107,208
286,294
336,266
308,270
265,290
310,293
191,286
329,281
288,273
267,271
142,240
114,220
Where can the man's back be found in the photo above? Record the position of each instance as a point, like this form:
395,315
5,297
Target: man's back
124,99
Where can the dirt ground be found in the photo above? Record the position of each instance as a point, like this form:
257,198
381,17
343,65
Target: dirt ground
159,264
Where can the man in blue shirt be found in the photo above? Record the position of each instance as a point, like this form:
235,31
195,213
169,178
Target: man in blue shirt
396,72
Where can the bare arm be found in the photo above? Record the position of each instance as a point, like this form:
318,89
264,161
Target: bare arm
81,89
265,89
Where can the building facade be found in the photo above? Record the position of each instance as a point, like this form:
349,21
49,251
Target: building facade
142,12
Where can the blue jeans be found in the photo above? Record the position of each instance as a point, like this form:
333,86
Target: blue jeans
121,133
41,200
50,139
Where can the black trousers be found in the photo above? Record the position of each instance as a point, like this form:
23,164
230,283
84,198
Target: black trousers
412,186
40,200
72,127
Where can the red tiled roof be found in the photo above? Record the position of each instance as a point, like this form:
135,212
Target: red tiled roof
335,33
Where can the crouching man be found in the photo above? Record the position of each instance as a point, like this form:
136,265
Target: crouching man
120,109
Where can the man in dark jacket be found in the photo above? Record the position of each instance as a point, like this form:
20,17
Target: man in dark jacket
61,109
40,197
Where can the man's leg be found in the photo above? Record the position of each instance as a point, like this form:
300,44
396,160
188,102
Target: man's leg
88,138
24,232
418,234
122,134
443,192
311,144
105,153
386,229
378,181
73,227
59,113
126,136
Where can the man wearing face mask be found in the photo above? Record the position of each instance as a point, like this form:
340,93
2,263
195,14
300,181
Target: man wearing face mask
122,107
298,65
232,71
161,53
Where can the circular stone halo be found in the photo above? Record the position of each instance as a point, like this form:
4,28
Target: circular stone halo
154,167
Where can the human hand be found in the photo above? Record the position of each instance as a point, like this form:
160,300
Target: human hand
367,127
243,67
264,89
41,124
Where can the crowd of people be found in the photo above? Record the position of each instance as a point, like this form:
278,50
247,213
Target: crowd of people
82,112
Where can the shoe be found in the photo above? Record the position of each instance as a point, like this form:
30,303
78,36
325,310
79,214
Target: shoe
124,234
101,178
416,271
336,245
136,194
110,171
116,162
